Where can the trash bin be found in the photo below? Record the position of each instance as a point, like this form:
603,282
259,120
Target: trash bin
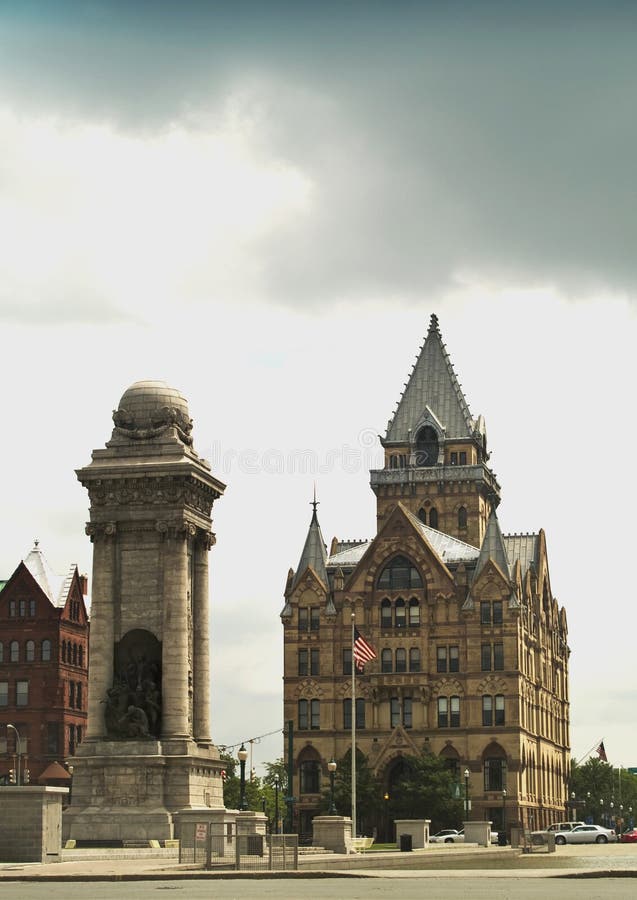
405,842
502,838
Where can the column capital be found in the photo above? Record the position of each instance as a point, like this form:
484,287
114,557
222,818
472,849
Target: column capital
100,530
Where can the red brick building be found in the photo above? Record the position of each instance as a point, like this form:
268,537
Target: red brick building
43,665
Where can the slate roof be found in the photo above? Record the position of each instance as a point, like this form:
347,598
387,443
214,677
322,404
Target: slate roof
432,383
493,547
314,552
524,547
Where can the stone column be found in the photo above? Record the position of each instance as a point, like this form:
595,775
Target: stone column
201,639
174,680
101,639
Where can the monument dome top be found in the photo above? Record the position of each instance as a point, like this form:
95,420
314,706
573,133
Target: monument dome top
147,408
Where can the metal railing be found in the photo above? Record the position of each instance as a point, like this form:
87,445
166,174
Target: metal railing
233,846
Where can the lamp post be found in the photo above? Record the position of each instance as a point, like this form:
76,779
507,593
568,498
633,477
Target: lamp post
18,749
504,810
601,810
276,804
589,811
243,755
386,804
611,814
466,794
572,806
331,768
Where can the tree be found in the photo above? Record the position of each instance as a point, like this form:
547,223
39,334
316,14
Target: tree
425,791
368,791
596,785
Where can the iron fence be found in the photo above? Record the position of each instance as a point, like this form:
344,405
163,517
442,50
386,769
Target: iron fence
236,846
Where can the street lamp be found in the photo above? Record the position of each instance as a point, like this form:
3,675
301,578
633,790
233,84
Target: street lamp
589,811
18,748
276,804
466,794
331,768
243,755
572,806
386,805
601,810
504,811
610,815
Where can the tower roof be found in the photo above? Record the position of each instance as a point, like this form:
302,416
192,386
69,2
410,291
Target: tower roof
493,547
314,551
56,587
432,383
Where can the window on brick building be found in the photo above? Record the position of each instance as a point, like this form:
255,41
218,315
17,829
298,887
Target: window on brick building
400,613
386,660
443,712
347,661
401,660
454,659
4,693
14,651
414,613
314,662
414,659
30,651
433,517
22,693
310,776
498,657
52,738
347,713
45,652
394,712
485,657
302,662
441,659
407,712
462,517
1,652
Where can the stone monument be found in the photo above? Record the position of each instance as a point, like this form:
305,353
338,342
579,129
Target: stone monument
148,753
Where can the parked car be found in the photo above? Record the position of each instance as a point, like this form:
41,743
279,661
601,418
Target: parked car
441,836
563,826
458,837
629,837
587,834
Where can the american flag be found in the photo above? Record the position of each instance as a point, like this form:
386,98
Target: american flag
362,651
601,752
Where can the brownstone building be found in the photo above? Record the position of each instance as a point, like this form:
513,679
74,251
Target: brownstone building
472,653
43,666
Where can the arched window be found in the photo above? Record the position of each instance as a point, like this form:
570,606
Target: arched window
414,613
310,777
30,651
393,462
400,613
433,517
14,651
385,660
414,659
80,656
385,614
399,574
74,654
45,653
63,651
422,515
426,447
462,517
401,660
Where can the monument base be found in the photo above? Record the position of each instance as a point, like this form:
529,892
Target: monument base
132,790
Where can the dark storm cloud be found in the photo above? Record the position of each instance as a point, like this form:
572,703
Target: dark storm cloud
492,141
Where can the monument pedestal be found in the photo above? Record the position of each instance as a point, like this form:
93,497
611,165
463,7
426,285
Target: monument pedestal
132,790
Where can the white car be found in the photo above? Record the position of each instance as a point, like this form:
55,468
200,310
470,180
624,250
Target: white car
587,834
445,836
458,837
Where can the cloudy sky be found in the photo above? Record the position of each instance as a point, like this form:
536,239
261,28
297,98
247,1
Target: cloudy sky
262,204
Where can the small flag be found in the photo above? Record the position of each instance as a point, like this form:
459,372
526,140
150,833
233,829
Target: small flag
601,752
362,651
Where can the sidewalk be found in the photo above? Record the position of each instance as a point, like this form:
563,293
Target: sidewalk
495,862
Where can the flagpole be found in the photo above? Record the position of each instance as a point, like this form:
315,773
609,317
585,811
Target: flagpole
578,762
353,733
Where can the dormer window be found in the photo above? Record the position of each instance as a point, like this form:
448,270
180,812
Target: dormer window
426,447
400,573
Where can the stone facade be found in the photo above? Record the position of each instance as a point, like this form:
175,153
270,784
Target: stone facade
472,653
148,751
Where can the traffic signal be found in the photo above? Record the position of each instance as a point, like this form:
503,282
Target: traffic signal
12,778
27,777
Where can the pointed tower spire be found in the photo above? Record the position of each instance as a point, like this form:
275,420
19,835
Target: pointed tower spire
434,388
493,548
314,551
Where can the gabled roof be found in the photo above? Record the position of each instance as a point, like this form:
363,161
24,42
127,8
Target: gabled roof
448,548
432,384
56,587
314,552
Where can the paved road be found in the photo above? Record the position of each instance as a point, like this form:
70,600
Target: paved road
406,887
